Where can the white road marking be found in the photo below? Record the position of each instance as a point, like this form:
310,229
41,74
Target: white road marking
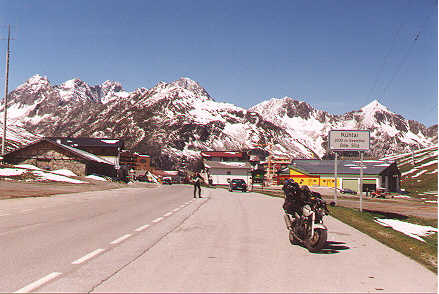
177,209
157,220
88,256
24,210
4,214
168,214
181,206
124,237
38,283
139,229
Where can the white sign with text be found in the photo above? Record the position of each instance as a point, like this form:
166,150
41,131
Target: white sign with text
355,140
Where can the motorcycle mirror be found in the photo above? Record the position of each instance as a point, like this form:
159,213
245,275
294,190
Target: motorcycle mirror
332,203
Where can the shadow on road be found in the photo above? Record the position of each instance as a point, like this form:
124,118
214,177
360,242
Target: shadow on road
333,247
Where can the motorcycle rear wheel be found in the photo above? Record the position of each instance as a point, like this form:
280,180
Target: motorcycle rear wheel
318,241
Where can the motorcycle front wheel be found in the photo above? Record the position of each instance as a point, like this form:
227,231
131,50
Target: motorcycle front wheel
318,241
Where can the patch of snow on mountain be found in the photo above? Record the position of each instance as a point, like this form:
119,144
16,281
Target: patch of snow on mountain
19,110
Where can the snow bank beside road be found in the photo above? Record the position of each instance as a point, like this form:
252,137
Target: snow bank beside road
11,171
94,177
27,166
57,178
412,230
65,172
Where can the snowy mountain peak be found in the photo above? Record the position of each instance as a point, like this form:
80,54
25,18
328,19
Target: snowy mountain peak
35,83
110,91
116,86
37,79
72,83
374,106
110,86
190,85
76,90
186,83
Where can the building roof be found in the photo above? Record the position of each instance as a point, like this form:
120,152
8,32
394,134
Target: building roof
314,166
227,164
164,173
229,154
80,153
83,142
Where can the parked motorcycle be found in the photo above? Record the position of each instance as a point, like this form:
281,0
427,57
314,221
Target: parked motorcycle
308,228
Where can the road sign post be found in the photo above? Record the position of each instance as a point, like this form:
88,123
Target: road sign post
349,140
335,176
361,181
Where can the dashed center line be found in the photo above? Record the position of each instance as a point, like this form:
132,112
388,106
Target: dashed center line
157,220
119,240
88,256
5,214
38,283
139,229
92,254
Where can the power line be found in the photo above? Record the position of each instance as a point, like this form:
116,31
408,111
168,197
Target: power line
407,54
6,92
381,69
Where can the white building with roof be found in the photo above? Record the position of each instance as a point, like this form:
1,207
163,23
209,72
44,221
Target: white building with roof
221,172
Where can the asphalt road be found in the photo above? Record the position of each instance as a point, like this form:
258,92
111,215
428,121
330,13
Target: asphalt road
42,236
162,240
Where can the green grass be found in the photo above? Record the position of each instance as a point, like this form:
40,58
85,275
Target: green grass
423,252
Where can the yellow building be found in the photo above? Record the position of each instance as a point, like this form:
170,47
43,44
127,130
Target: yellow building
304,178
376,173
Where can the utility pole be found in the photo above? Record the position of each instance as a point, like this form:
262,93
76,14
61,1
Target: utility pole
6,93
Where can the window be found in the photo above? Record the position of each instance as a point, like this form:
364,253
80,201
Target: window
228,172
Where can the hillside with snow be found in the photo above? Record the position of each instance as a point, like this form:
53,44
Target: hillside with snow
419,172
176,120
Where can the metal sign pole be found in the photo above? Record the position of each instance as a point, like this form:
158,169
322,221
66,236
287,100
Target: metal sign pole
335,176
361,181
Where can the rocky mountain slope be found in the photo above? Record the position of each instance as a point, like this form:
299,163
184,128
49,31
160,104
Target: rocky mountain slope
176,120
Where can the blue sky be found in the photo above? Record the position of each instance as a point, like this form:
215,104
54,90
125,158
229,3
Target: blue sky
336,55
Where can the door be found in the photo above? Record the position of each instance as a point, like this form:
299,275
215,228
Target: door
350,184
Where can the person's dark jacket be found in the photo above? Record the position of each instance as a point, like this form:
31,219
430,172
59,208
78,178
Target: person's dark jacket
295,197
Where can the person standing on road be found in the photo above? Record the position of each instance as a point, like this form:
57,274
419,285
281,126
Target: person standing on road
196,180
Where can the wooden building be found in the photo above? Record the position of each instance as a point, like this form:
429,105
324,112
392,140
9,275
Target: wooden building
134,164
105,148
50,155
